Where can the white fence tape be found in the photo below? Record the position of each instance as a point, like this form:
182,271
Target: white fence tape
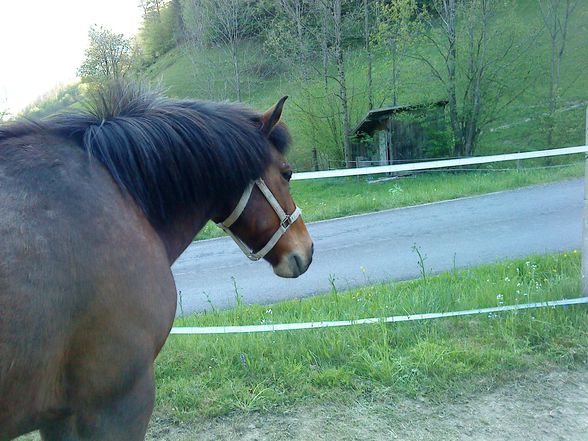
438,164
367,321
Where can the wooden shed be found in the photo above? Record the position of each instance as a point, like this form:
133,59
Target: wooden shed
401,134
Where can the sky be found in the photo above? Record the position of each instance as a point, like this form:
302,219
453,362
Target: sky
42,42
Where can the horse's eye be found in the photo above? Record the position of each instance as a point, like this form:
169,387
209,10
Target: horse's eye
287,175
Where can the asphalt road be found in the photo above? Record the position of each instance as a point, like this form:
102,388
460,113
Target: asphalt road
379,246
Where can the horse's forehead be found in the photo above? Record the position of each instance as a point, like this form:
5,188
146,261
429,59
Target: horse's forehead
277,156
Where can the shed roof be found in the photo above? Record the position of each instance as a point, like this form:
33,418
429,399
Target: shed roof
374,116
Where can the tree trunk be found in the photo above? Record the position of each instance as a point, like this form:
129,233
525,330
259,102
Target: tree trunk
553,82
366,23
342,85
326,13
180,25
302,46
394,76
325,43
472,96
449,10
557,28
196,31
471,129
235,59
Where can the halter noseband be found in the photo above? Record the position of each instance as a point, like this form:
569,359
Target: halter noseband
286,220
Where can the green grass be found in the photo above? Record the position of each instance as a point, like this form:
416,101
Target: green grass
214,375
322,199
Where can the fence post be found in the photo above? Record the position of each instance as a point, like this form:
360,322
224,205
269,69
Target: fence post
585,221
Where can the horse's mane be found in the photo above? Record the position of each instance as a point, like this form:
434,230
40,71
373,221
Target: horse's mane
167,154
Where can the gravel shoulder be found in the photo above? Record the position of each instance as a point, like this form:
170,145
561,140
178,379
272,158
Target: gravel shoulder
550,407
540,407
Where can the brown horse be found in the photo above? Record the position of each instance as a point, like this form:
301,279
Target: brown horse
94,208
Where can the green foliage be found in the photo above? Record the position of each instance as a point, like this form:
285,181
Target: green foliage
281,41
513,123
160,31
216,374
4,113
109,56
432,123
209,22
399,28
57,100
439,143
398,22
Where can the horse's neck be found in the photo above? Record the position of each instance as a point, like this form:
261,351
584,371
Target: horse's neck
180,234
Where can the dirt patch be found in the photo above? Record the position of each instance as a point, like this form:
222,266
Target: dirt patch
548,407
545,407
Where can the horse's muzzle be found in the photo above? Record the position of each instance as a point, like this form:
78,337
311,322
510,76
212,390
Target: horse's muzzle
294,264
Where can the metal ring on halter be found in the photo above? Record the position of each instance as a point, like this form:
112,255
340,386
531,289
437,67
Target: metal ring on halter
286,220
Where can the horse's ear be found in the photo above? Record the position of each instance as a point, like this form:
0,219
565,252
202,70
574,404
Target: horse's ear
272,116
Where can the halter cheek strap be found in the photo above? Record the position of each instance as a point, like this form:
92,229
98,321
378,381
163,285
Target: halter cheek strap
286,220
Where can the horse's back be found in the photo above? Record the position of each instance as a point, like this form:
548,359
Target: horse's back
83,284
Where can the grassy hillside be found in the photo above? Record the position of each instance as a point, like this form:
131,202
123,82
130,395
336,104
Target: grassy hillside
207,74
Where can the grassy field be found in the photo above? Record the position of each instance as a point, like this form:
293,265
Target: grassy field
215,375
322,199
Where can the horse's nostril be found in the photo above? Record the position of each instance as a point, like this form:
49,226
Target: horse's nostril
312,248
299,262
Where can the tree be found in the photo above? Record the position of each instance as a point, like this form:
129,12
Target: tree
162,28
151,7
291,43
4,112
195,41
230,21
108,57
474,73
331,100
225,24
311,38
292,46
556,16
178,21
56,100
339,60
399,24
194,22
368,49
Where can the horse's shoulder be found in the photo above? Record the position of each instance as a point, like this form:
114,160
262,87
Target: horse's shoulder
55,190
66,224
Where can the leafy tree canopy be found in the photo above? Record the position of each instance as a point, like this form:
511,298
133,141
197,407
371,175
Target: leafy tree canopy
109,56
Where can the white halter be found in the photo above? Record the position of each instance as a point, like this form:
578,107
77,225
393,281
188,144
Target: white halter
285,219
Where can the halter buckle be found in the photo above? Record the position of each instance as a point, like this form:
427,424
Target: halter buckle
285,224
